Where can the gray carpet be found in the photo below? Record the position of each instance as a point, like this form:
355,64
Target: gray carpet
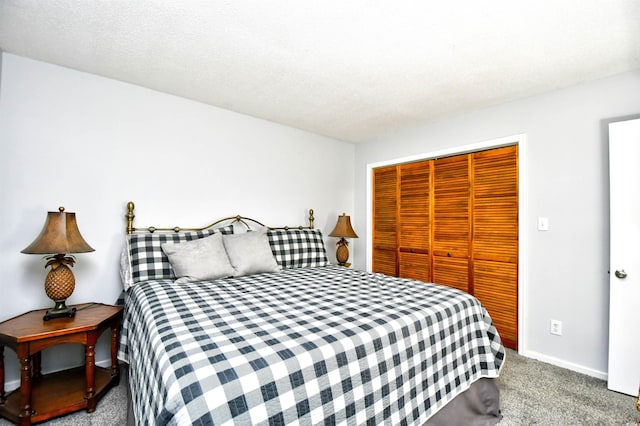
532,393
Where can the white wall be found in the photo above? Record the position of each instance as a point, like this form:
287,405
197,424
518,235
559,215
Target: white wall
566,181
91,144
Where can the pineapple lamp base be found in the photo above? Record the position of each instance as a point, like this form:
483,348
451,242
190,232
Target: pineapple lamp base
59,311
59,286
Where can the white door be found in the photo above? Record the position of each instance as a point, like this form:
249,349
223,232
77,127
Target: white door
624,302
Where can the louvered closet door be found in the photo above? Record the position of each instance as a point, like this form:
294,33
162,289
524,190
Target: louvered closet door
414,216
495,238
451,224
384,220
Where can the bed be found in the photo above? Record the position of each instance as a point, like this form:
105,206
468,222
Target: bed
285,337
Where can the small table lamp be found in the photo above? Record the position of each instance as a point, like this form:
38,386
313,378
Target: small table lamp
59,236
343,230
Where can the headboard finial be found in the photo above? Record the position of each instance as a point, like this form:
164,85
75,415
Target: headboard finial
311,219
130,216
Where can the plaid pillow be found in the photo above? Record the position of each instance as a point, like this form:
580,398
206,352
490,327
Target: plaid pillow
149,262
298,248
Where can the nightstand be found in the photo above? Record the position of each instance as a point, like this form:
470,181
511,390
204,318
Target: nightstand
41,397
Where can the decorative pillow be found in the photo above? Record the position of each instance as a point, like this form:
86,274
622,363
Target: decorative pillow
298,248
198,260
249,253
149,262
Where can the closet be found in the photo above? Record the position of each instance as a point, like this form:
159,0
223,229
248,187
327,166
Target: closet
453,221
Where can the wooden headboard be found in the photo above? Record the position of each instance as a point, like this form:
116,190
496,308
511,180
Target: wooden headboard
246,221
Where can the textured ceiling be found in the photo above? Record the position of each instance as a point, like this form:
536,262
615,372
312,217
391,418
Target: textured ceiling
352,70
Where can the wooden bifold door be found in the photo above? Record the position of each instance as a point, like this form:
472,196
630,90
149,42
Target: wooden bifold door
453,221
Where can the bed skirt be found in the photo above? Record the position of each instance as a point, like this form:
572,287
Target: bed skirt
478,405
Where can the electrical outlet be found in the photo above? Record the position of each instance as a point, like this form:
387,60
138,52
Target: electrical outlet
556,327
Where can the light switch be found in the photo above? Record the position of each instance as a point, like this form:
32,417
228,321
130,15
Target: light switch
543,224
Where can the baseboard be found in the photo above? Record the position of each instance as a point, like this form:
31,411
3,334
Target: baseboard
14,384
565,364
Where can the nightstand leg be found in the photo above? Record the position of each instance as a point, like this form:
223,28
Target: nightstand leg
114,351
2,397
90,371
25,385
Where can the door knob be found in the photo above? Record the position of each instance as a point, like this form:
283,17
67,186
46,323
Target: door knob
621,274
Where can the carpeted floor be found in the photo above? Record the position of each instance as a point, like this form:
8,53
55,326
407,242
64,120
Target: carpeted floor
535,393
532,393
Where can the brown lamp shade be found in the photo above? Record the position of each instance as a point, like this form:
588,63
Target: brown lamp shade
59,235
343,228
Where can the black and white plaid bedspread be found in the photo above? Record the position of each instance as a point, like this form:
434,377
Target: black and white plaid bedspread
324,345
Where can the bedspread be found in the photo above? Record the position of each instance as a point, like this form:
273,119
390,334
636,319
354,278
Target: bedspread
325,345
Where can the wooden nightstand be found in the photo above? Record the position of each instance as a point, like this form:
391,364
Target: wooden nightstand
41,397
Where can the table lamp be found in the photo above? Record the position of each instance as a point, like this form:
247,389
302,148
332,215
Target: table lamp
59,237
343,230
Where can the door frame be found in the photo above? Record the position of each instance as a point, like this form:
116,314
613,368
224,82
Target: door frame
521,141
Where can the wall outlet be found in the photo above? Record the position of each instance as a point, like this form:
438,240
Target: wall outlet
556,327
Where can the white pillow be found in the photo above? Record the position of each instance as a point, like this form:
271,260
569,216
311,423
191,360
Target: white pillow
250,252
199,260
